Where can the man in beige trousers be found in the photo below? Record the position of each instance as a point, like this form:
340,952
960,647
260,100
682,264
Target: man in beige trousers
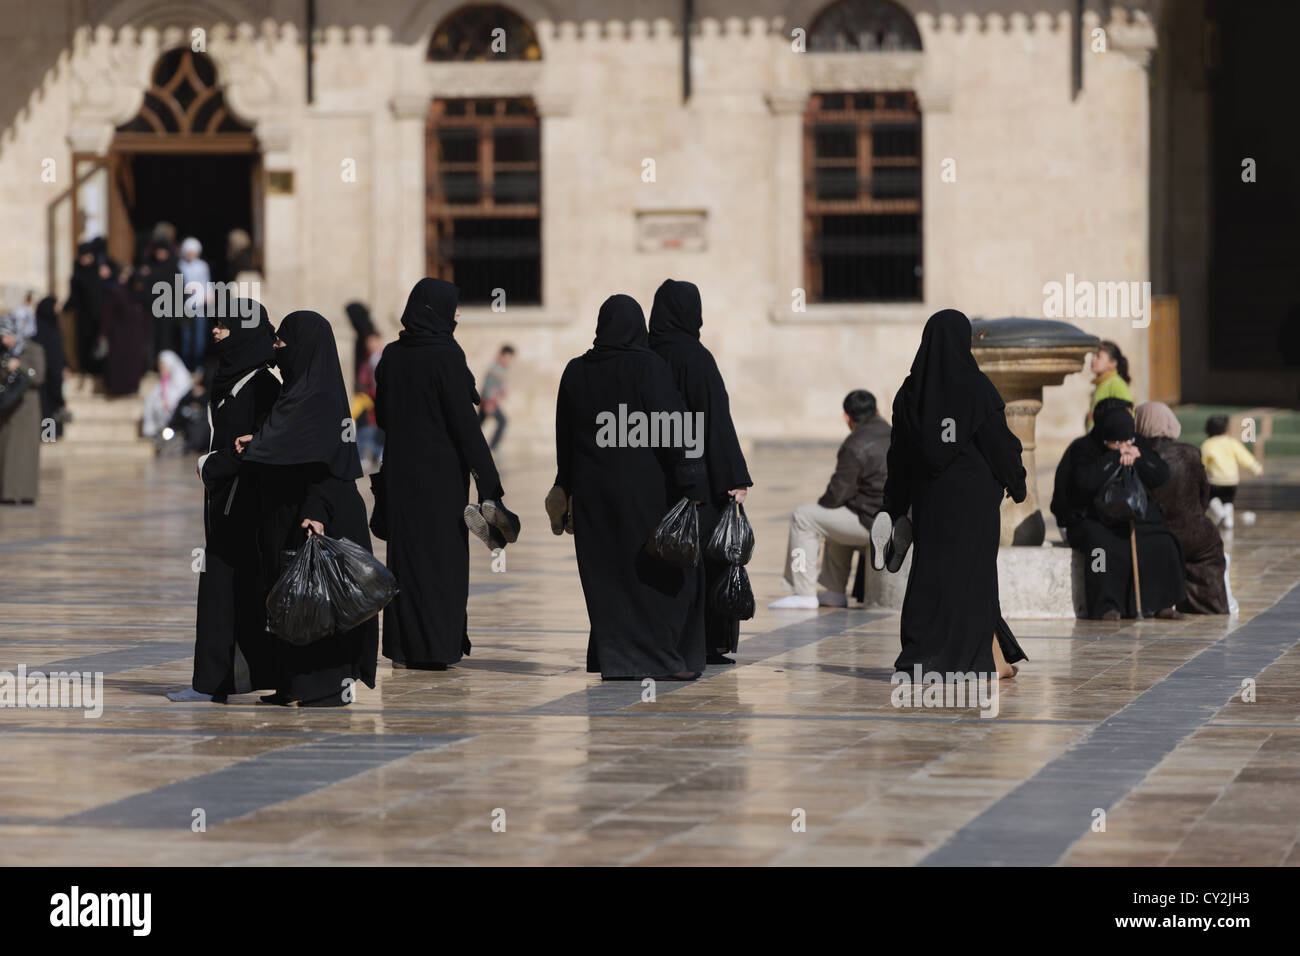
842,516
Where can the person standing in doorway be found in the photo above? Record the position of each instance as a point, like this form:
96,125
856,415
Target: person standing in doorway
494,393
194,323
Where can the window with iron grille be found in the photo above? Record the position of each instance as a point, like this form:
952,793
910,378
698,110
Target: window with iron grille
483,165
862,197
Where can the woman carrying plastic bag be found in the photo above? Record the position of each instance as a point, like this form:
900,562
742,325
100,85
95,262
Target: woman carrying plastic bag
307,455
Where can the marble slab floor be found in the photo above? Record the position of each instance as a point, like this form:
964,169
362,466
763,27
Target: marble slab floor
519,757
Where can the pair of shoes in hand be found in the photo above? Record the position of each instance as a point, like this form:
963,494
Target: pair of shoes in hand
559,508
890,540
492,523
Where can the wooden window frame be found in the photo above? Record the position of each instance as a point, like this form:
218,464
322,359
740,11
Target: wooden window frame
863,163
440,213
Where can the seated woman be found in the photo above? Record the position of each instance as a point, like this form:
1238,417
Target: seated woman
174,383
1183,500
1085,468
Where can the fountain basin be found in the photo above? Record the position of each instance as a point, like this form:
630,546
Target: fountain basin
1021,357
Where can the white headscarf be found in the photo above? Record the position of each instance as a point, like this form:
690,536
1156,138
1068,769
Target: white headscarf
178,380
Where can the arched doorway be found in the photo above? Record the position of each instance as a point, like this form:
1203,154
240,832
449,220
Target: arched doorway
187,159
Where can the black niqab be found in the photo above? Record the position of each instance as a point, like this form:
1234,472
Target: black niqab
677,313
307,422
430,314
250,345
946,396
620,327
429,320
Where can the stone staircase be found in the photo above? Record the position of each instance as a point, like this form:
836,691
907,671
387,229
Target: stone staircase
101,427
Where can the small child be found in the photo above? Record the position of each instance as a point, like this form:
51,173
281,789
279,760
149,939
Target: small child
1222,454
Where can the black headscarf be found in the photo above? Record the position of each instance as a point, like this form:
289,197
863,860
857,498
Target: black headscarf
945,383
359,316
676,313
620,327
45,312
430,314
250,345
1114,424
306,423
429,320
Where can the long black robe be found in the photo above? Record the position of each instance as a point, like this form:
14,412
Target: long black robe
638,606
951,460
231,620
127,331
1108,585
433,443
86,299
50,339
308,467
675,321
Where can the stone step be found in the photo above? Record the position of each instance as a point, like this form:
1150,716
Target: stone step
96,449
106,410
79,430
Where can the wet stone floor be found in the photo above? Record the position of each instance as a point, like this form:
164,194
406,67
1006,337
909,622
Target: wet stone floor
795,755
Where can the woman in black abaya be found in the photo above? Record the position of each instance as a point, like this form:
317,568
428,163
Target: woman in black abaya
675,321
306,462
86,299
638,606
1084,469
951,460
230,632
433,443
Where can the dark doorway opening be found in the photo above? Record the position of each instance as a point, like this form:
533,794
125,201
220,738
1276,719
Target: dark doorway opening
1254,299
202,195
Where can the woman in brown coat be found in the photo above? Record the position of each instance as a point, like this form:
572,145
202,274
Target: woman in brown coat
20,423
1183,499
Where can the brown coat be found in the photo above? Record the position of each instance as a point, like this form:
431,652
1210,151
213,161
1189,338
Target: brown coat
1183,499
859,479
20,433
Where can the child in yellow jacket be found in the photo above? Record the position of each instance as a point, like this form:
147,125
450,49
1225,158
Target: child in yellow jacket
1222,455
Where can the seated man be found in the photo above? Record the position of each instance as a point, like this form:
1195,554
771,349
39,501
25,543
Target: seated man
843,514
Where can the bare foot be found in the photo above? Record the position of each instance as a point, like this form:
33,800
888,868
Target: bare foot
1005,671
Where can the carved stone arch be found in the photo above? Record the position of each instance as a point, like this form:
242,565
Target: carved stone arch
416,27
118,55
186,98
806,13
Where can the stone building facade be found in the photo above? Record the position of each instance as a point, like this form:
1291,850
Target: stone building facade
1021,151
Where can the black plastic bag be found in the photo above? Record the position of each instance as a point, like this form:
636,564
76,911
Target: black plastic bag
733,539
732,597
1122,498
677,538
329,585
298,606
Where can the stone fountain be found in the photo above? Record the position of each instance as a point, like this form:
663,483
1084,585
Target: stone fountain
1021,357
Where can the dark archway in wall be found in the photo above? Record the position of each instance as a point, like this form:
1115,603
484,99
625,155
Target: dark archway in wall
202,195
1254,286
187,159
